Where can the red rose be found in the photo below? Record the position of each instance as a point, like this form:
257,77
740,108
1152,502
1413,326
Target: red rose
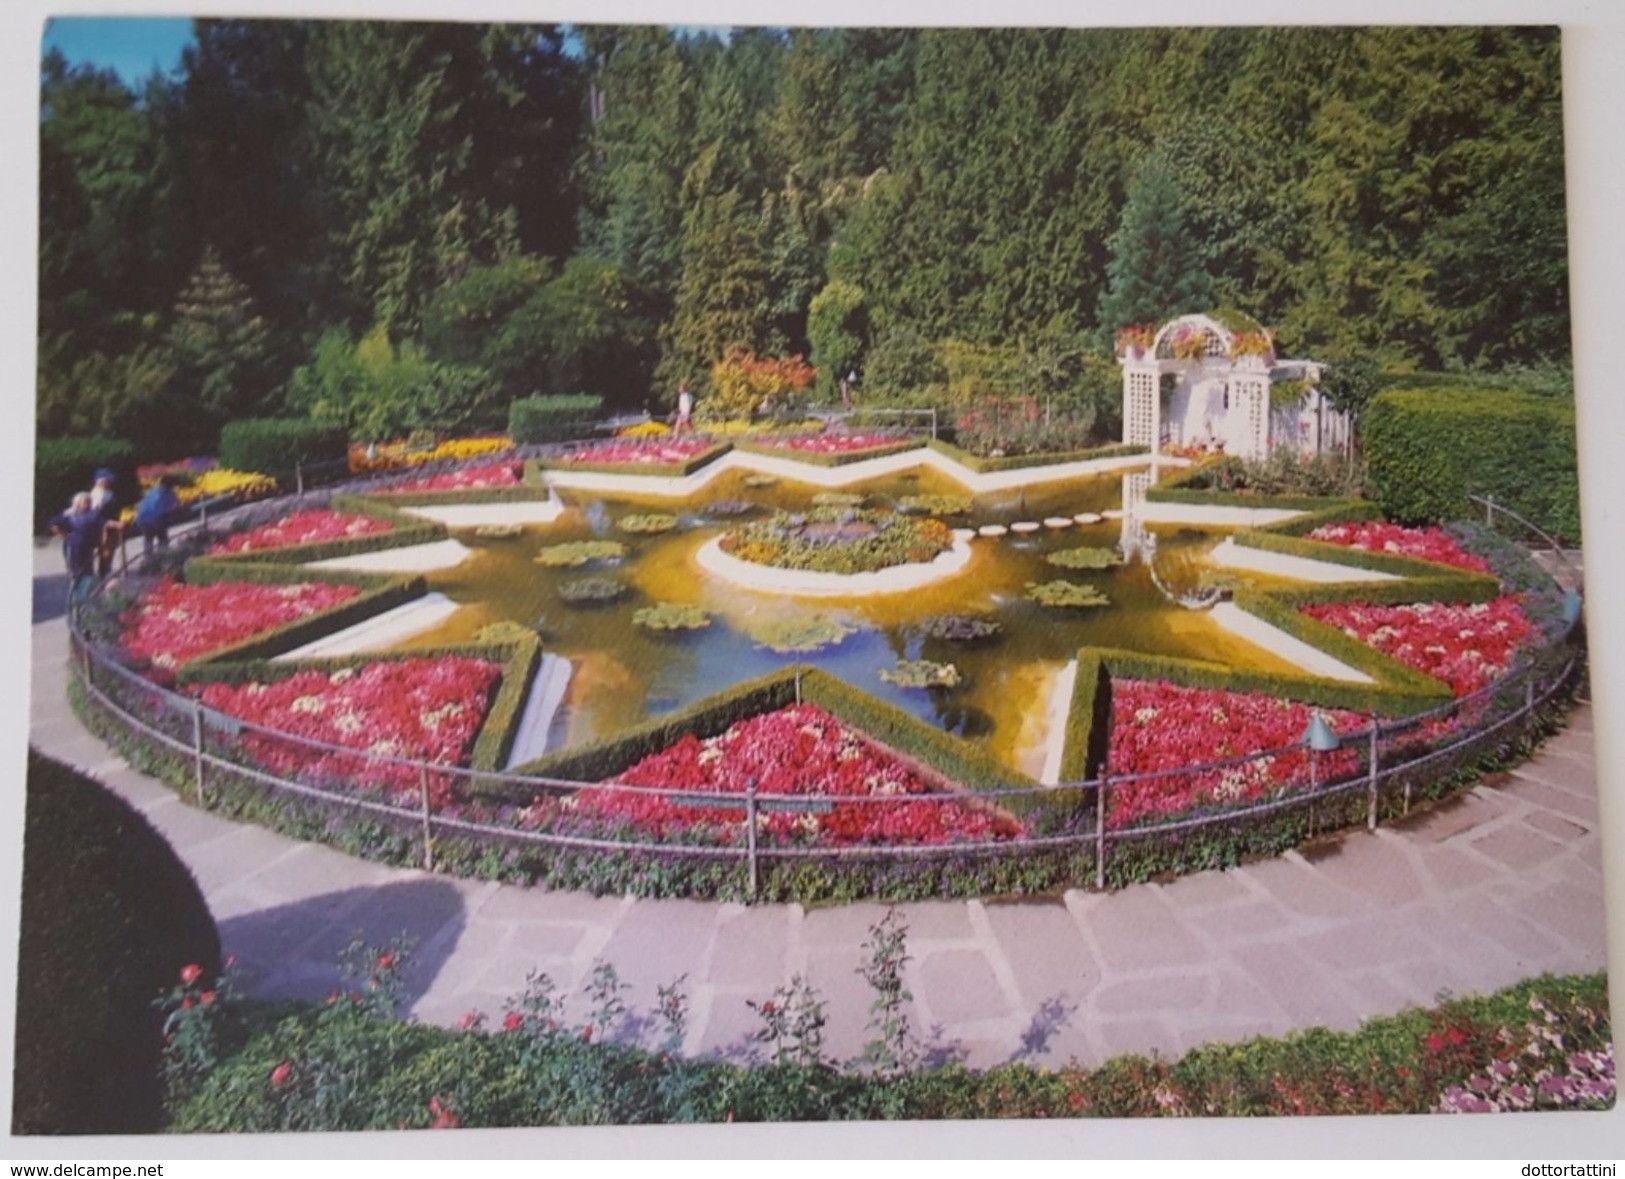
280,1075
191,973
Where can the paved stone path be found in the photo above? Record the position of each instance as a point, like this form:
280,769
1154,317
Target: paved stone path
1499,885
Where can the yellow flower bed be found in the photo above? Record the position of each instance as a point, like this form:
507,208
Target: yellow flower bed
240,485
390,455
734,427
648,429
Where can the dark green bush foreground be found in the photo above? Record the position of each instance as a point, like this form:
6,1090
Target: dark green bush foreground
109,918
1428,449
274,446
556,418
348,1064
63,466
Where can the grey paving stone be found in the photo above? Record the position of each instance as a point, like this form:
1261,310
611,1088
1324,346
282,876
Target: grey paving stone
1375,869
1308,994
846,925
1484,918
543,939
1450,818
1203,889
1517,847
728,1027
1300,888
1044,949
1251,920
1572,913
1174,992
750,947
663,941
1564,773
1138,931
531,903
1357,945
1238,996
938,921
1449,869
959,986
1140,1036
1550,798
1561,829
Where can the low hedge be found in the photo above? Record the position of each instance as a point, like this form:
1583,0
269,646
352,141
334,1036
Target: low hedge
555,418
830,458
891,726
1358,558
1177,489
64,466
1399,690
983,464
277,445
563,462
519,655
1428,449
110,916
379,592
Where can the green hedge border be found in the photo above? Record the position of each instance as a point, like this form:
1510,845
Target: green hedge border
831,459
912,739
710,454
519,657
379,592
1175,489
1017,462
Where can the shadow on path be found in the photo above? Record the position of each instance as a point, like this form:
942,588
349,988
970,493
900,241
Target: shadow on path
293,950
50,596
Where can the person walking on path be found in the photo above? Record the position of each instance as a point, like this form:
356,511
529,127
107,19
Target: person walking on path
104,502
153,513
80,528
685,409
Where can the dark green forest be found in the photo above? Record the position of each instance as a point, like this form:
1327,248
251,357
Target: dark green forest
405,226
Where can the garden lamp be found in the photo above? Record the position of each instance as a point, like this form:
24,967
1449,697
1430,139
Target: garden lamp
1571,608
1320,736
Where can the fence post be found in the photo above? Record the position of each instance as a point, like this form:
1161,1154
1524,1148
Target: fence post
1371,813
1100,832
750,832
299,479
428,837
1489,510
197,751
1529,692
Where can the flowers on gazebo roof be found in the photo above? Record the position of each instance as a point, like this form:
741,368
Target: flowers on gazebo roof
1140,336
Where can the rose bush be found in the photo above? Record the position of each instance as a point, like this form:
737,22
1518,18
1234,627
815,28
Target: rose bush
640,453
467,479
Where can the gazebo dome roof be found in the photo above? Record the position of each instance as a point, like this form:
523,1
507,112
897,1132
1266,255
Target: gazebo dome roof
1218,327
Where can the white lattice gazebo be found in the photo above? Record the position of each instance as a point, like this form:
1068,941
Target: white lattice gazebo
1214,383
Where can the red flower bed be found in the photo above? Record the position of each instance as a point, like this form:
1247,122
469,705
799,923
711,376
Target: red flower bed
799,750
467,479
1465,646
174,622
318,524
830,443
1425,544
1160,726
420,709
664,452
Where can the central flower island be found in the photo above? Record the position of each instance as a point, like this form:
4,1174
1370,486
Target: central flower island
836,551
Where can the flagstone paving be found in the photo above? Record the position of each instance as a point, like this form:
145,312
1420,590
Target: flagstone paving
1500,884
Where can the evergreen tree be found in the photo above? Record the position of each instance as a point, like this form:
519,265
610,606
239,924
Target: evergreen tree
1157,264
219,345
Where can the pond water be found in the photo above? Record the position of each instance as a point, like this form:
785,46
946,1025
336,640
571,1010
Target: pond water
624,673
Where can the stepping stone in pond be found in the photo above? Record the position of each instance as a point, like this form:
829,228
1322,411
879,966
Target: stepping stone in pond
1057,521
964,533
992,530
1087,517
1024,527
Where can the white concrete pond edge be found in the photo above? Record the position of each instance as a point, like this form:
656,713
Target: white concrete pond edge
1239,556
807,583
381,631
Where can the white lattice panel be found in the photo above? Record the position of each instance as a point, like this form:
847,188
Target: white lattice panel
1139,406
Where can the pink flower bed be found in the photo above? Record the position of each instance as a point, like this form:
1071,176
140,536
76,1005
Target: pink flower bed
174,622
1425,544
830,443
318,524
1159,726
661,452
799,750
1465,646
421,709
467,479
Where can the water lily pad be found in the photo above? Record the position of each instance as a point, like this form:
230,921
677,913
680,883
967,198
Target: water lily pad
1087,557
960,628
935,505
922,673
498,531
580,552
672,616
1077,595
592,591
647,523
811,632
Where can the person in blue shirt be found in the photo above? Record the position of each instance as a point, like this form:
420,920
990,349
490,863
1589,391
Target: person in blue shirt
80,528
153,513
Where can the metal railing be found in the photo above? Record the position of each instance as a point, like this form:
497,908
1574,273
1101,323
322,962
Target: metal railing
1378,770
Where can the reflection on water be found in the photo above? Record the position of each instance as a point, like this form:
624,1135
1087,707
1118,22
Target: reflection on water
625,674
